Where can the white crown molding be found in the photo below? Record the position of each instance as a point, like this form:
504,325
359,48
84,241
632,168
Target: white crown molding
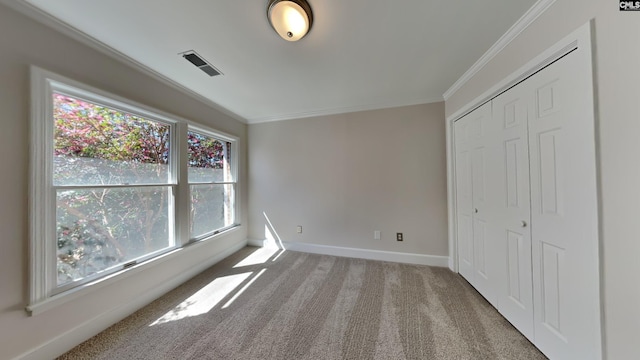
44,18
344,110
527,19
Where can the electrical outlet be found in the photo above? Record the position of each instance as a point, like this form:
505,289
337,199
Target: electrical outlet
376,235
399,236
299,229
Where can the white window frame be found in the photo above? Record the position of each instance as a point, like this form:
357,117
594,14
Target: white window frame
44,293
233,163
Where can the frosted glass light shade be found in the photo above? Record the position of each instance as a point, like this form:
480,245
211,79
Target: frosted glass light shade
291,19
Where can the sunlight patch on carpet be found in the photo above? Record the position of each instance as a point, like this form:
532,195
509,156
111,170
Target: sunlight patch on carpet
205,299
243,289
259,256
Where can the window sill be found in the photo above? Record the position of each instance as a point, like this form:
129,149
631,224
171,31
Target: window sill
82,290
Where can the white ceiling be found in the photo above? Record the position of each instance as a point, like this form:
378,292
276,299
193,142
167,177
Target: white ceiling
359,54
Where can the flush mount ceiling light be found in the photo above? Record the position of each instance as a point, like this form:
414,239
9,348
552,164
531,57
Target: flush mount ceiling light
291,19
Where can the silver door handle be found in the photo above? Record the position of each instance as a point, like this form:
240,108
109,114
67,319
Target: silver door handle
524,223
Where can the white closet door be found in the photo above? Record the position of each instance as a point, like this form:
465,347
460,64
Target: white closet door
464,199
483,202
515,290
474,210
564,210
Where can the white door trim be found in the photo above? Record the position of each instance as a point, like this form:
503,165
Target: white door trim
579,38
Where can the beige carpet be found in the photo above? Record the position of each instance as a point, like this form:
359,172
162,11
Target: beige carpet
303,306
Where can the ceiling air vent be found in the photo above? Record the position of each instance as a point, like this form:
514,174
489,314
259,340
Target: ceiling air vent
198,61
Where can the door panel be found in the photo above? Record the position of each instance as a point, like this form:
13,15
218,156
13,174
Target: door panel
464,200
515,293
552,264
480,248
479,223
465,238
564,211
479,173
476,239
483,203
512,155
550,171
517,269
547,99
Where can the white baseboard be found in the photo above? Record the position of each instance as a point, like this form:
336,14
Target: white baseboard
69,339
399,257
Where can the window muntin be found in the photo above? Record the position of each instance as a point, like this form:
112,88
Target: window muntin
212,183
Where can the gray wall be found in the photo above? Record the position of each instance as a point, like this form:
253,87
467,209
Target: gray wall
24,42
343,176
617,55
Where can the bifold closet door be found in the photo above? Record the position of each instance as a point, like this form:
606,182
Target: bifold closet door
464,197
526,205
564,213
474,200
515,287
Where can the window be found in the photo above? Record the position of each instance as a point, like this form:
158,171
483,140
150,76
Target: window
212,184
105,185
113,185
